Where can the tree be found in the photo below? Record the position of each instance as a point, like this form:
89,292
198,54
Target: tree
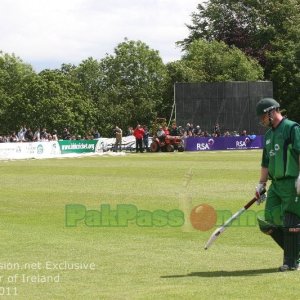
215,61
266,30
15,77
250,25
134,82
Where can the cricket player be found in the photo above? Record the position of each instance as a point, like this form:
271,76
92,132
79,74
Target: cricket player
280,163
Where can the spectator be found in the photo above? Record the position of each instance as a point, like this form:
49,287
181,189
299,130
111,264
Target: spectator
37,135
197,131
118,134
13,138
130,131
66,134
174,130
146,138
166,130
189,129
54,135
44,134
139,134
244,133
227,133
21,134
96,134
216,130
28,135
161,134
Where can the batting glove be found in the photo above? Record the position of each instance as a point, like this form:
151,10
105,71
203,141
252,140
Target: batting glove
298,185
258,193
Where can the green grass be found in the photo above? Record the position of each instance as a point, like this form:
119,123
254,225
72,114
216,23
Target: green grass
137,262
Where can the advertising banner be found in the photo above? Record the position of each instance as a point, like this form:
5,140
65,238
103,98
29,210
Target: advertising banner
29,150
77,146
224,143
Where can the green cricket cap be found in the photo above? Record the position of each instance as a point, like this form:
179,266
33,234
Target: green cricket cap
265,105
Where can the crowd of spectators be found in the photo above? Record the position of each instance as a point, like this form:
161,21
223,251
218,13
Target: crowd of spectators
27,135
196,131
43,135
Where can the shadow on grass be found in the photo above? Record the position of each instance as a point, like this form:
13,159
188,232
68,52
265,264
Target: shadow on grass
226,273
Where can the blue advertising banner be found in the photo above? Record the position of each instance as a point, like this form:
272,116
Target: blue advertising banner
224,143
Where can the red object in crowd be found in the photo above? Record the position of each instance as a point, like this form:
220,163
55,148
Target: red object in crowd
139,132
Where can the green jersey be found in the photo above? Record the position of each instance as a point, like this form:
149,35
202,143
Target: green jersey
281,150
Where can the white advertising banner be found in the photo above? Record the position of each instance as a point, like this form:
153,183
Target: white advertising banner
29,150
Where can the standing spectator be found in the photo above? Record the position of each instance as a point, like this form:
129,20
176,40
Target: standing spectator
139,134
13,138
216,130
96,134
197,131
146,138
174,130
166,130
44,134
161,134
118,134
244,133
21,134
54,135
130,131
66,134
29,135
37,135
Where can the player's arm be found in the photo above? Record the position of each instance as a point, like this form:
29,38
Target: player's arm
298,180
264,175
296,146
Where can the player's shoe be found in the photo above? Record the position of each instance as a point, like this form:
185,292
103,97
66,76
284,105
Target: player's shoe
284,268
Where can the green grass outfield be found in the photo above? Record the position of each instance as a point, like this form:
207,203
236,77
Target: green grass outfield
134,262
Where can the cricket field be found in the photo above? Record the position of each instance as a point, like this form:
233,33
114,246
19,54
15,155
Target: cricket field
118,227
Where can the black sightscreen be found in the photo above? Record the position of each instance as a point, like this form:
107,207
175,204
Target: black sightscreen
231,104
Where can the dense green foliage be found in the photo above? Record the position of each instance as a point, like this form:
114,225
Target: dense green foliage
265,30
231,40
